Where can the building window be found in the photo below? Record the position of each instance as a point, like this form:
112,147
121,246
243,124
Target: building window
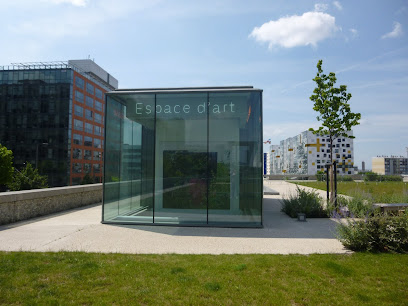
348,145
79,111
77,139
96,168
318,161
88,114
98,93
97,130
317,155
79,82
87,168
76,168
79,96
98,106
88,154
338,140
97,143
88,128
78,125
89,101
90,88
97,155
98,118
88,141
76,154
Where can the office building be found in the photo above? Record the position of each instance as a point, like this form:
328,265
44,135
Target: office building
390,165
52,115
307,153
184,156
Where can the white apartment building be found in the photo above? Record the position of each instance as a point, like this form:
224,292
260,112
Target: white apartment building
308,153
393,165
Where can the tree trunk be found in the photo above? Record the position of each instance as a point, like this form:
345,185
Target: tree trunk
332,195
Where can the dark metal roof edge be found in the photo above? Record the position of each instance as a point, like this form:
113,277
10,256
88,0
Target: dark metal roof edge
186,89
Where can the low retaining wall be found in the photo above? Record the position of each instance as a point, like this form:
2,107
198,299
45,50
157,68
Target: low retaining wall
21,205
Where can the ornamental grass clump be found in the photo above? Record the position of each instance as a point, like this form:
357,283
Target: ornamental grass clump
307,202
378,233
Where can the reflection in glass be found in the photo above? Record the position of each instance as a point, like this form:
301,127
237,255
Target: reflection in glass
184,158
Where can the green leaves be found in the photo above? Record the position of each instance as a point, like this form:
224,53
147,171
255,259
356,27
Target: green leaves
332,105
6,165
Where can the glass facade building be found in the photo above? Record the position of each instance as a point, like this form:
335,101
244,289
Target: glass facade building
184,156
51,115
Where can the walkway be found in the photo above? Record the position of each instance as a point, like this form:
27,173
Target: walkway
81,230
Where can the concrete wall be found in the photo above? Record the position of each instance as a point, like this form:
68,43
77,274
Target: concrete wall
21,205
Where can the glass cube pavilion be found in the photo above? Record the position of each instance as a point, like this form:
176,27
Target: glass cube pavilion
184,156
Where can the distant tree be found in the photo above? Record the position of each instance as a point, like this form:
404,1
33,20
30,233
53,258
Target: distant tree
6,165
334,112
28,178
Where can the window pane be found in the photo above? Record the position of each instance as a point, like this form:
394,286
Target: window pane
88,128
98,93
235,188
89,101
77,154
128,186
97,143
79,96
90,88
79,111
76,168
98,118
98,106
87,154
78,125
88,114
181,158
88,141
77,139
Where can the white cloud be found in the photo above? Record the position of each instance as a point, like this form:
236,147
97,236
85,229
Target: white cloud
294,31
320,7
354,33
73,2
337,5
396,32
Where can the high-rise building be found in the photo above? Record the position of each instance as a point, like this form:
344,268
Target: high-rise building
308,153
52,115
393,165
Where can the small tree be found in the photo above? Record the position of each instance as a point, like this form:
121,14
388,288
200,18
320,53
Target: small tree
334,112
6,165
28,178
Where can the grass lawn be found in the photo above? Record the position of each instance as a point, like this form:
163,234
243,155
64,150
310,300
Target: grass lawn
86,278
379,192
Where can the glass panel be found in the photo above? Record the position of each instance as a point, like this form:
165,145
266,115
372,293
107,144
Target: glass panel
129,140
235,188
181,158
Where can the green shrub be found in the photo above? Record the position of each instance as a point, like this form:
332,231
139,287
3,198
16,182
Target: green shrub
379,233
28,178
321,176
359,206
345,178
391,178
371,176
374,177
307,202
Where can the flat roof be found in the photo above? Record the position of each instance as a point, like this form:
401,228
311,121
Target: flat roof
184,89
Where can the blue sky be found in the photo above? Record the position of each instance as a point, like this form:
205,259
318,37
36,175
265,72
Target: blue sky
272,45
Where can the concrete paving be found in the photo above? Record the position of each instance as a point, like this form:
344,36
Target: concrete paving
81,230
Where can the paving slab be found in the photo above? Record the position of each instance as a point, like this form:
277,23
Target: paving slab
81,230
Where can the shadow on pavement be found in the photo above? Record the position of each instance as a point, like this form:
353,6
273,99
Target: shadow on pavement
276,225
